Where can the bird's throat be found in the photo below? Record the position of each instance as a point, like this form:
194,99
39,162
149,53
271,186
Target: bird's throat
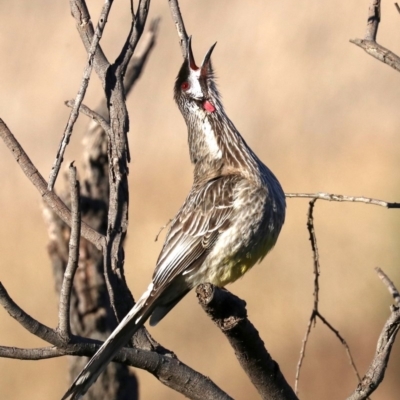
208,106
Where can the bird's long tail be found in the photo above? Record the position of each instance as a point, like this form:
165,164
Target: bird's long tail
136,317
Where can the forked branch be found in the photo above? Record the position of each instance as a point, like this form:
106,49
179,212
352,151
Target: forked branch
377,368
369,44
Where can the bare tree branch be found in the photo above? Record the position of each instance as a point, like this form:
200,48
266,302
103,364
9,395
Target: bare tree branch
91,114
229,313
180,26
376,371
390,285
81,93
64,325
118,154
29,323
379,52
49,197
140,56
85,28
169,370
41,353
137,26
315,313
374,18
341,198
369,43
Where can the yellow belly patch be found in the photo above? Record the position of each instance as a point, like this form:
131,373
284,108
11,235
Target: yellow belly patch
229,272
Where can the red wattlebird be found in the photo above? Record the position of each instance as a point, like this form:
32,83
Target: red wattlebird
229,221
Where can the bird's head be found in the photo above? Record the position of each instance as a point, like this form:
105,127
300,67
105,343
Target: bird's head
195,86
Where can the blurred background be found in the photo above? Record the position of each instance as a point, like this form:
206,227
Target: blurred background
321,113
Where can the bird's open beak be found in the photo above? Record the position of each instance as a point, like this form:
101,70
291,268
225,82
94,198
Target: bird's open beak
207,57
189,56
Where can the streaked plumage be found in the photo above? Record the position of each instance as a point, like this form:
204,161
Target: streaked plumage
230,220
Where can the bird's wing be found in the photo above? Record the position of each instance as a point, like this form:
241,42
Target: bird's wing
205,214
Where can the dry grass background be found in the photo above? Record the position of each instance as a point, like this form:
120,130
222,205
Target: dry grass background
322,115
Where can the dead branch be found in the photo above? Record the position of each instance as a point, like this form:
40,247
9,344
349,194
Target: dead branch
29,323
167,369
49,197
315,313
342,198
376,371
179,24
64,325
369,43
91,114
81,93
229,313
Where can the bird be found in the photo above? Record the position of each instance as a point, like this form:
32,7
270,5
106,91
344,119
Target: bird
229,221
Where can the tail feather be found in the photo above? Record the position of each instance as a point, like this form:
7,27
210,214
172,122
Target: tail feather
136,317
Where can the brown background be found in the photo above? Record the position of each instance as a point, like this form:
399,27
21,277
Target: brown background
322,115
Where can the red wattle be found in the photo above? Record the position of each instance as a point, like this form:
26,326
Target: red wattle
208,106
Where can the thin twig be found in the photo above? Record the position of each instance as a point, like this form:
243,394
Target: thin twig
316,271
390,285
377,368
81,94
142,52
49,197
91,114
73,257
303,352
397,7
343,198
162,228
314,248
344,343
179,24
315,313
137,26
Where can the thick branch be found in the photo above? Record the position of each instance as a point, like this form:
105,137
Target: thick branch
49,197
169,370
230,315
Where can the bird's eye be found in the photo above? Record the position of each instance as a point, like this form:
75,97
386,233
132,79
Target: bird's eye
185,86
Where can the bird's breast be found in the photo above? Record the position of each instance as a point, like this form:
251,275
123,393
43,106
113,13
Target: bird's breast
253,231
